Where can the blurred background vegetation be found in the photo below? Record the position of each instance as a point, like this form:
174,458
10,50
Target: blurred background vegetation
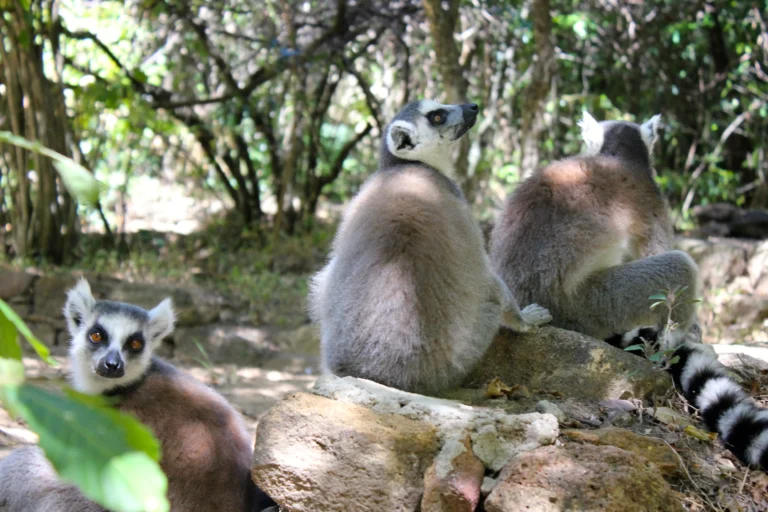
229,133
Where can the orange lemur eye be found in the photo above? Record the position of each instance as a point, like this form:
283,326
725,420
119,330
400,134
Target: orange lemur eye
438,118
135,344
95,337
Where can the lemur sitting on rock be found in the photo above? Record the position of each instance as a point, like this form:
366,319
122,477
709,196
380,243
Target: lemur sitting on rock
589,238
408,297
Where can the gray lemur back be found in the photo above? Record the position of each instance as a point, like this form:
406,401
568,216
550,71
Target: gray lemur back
408,298
588,237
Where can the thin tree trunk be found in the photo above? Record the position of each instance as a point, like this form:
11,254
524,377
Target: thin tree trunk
535,95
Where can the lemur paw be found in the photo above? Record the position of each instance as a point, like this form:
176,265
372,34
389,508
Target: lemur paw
536,315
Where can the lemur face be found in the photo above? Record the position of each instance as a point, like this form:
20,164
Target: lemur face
112,342
425,131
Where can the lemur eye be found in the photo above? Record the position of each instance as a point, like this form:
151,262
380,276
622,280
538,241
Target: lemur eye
436,118
95,337
135,345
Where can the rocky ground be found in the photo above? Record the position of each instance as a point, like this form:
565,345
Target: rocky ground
552,420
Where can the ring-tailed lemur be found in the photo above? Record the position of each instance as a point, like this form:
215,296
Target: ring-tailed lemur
206,450
588,237
408,298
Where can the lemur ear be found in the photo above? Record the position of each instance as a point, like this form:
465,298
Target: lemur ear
592,133
161,321
650,131
79,304
401,137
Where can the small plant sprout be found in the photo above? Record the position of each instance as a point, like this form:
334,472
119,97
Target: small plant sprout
656,351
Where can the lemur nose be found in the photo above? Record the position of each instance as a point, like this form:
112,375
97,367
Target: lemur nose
473,107
111,365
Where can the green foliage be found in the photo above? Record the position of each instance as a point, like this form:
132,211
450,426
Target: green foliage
110,456
76,178
9,316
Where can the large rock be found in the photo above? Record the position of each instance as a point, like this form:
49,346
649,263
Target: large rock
581,478
496,435
742,357
14,282
720,260
452,483
313,453
560,361
654,450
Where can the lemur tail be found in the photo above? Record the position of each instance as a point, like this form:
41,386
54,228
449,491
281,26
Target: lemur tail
723,405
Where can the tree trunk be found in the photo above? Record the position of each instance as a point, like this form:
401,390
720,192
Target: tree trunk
43,216
442,25
535,95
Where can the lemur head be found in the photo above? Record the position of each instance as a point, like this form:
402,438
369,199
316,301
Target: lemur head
425,131
620,138
112,342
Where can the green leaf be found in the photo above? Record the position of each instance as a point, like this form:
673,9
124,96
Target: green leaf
110,456
76,178
674,360
656,357
658,296
79,182
9,340
634,347
11,372
657,304
40,348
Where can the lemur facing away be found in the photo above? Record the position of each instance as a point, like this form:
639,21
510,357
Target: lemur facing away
589,237
408,298
206,450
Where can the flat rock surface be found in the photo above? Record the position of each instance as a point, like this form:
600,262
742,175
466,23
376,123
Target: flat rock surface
314,453
496,435
568,363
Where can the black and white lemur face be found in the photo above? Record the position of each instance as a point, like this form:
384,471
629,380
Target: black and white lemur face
112,342
425,131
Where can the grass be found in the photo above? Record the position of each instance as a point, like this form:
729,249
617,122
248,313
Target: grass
267,282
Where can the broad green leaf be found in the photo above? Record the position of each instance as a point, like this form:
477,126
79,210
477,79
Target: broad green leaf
76,178
151,485
110,456
658,296
674,360
79,182
656,357
40,348
634,347
9,340
11,372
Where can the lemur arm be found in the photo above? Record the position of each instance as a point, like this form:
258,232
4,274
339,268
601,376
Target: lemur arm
518,320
